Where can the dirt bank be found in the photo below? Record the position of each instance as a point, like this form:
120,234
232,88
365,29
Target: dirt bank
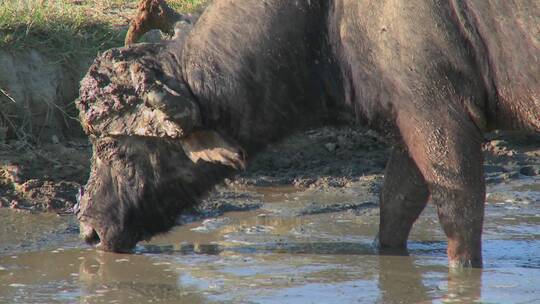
45,178
36,101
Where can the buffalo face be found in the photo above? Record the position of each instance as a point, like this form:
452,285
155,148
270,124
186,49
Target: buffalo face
137,188
141,179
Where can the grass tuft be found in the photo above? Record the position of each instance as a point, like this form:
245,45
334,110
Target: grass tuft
187,5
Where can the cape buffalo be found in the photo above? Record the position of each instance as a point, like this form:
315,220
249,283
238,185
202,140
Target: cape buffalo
169,120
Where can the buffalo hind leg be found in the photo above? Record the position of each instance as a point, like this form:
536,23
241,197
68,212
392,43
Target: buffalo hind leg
404,196
448,153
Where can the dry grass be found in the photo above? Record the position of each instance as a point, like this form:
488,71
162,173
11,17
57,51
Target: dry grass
66,29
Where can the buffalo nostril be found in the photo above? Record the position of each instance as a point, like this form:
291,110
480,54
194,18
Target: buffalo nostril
89,234
92,238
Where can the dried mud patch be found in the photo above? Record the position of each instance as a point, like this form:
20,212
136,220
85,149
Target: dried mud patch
45,178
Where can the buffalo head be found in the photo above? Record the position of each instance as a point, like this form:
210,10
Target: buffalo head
147,137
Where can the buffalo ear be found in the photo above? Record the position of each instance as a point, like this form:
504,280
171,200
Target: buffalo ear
211,146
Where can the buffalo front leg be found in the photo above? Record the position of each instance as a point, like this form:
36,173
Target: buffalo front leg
403,198
446,147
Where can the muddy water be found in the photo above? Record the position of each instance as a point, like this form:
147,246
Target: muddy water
299,247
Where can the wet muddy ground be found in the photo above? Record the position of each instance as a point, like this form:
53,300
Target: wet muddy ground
297,227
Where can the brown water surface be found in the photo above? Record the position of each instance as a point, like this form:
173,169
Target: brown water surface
278,254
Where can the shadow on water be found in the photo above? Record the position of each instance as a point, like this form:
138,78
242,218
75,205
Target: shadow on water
131,278
431,248
334,248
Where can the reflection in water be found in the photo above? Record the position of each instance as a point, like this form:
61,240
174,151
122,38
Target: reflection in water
464,286
403,280
400,280
204,273
68,276
131,278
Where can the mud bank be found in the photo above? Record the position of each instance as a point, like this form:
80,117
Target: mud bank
43,155
320,160
37,96
45,177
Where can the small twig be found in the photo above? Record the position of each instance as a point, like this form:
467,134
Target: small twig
6,119
65,114
21,135
7,95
